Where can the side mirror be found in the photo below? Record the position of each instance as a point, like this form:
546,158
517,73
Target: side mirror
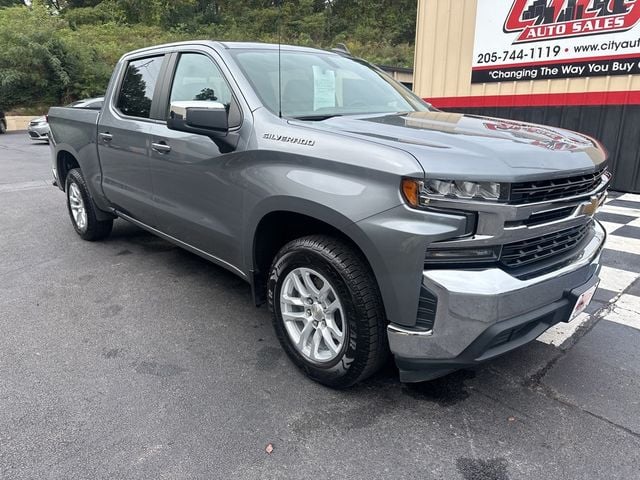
200,117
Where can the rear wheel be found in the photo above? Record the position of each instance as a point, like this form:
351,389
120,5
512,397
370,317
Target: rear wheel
82,210
3,126
327,311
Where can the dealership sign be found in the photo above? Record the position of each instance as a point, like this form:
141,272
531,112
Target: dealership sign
542,39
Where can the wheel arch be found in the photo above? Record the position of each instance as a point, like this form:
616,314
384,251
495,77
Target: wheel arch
65,161
275,228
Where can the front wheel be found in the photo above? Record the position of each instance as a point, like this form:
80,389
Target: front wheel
82,210
327,310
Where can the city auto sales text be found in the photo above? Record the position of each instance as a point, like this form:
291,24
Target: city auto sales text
576,27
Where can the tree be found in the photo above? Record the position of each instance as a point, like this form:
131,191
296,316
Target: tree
10,3
36,64
82,3
61,50
133,98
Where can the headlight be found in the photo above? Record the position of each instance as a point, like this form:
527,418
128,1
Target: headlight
417,192
463,189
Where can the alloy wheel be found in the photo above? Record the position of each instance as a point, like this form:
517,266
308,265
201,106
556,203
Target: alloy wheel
313,315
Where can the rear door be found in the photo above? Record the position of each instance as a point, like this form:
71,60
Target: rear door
196,185
124,138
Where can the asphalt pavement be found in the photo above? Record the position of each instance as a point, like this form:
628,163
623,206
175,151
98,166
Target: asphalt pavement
131,358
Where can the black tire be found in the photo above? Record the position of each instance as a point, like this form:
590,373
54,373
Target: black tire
365,349
3,127
94,229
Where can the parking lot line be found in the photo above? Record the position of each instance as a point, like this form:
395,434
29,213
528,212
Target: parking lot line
620,210
611,227
560,333
14,187
623,244
615,279
626,311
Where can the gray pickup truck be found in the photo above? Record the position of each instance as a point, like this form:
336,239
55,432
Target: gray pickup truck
370,222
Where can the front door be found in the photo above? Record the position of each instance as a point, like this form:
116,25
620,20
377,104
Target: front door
196,185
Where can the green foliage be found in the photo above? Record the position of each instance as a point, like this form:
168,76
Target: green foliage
10,3
57,51
133,93
36,65
104,12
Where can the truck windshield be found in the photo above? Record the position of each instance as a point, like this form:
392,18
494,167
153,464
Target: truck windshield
316,86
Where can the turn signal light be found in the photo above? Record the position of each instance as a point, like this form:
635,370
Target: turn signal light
411,189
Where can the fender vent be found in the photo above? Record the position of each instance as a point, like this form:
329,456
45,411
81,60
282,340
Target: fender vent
426,309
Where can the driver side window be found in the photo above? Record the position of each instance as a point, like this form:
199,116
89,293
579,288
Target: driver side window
198,78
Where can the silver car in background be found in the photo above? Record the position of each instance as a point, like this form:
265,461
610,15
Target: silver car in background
38,128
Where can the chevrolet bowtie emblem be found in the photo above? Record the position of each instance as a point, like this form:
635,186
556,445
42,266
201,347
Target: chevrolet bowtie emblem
591,207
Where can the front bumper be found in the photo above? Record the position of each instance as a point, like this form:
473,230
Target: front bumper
482,314
40,132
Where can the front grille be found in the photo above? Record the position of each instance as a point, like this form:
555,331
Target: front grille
535,250
34,135
543,190
549,216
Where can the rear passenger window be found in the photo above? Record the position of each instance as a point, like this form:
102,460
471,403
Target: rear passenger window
198,78
138,85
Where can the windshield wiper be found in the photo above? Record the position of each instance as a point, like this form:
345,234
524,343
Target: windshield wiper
318,118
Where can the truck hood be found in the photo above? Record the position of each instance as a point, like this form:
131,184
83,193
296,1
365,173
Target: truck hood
457,146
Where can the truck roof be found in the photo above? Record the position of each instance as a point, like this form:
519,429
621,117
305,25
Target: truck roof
228,46
267,46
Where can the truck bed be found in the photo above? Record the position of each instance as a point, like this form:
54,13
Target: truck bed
74,131
77,126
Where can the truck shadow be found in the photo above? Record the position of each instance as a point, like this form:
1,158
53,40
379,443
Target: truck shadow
128,239
446,391
126,232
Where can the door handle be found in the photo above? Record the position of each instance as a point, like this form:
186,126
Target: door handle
106,137
161,147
